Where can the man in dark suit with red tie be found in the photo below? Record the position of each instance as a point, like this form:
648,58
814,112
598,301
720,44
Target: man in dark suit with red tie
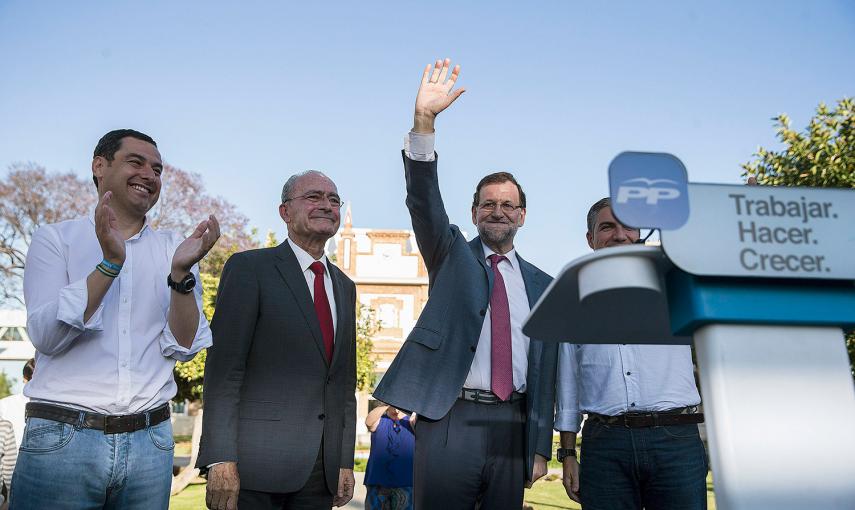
280,378
482,389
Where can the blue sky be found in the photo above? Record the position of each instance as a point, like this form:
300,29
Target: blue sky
247,93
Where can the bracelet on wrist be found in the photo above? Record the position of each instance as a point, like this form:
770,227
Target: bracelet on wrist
113,267
106,271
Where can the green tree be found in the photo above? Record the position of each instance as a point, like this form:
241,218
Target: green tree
821,156
367,325
6,384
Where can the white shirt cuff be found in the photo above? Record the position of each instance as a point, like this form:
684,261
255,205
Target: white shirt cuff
420,146
169,346
71,306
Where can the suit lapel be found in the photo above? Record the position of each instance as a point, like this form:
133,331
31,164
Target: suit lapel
340,330
534,287
289,269
478,251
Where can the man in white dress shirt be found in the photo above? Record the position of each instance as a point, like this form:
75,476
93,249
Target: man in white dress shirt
111,306
640,441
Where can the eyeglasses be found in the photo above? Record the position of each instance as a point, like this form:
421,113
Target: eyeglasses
507,207
317,197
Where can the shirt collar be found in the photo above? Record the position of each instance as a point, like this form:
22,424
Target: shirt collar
511,255
305,260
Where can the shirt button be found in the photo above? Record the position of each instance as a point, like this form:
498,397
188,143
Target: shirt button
632,405
321,416
124,300
629,373
472,348
124,331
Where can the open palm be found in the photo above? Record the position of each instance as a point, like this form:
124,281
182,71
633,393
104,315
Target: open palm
192,249
435,92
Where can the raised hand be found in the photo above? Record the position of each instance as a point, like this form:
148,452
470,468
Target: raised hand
107,231
435,94
192,249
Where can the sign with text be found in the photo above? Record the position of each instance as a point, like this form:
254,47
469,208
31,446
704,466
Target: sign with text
649,190
779,232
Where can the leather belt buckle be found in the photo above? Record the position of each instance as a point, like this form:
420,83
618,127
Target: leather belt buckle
120,424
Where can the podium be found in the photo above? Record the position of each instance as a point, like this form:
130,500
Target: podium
777,390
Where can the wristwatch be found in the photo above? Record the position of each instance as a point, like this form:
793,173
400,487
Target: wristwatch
185,286
563,453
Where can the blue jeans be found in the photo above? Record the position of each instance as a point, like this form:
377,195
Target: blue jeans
62,466
655,468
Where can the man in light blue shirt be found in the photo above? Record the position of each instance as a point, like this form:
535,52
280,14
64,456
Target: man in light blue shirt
641,443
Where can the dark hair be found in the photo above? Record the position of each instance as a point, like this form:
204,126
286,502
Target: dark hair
29,367
497,178
112,142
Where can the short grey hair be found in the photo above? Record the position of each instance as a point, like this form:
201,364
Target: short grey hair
289,184
595,209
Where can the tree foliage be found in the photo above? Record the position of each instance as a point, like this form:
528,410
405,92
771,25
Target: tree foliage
822,156
30,197
367,325
6,384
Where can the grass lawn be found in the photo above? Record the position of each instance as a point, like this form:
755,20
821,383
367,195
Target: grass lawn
550,495
191,498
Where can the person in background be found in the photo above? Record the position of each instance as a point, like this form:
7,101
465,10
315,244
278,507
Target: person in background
8,456
641,444
12,407
389,475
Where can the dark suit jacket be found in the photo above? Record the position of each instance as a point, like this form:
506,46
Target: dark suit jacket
431,367
270,396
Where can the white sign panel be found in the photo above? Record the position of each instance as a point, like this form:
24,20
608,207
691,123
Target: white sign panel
776,232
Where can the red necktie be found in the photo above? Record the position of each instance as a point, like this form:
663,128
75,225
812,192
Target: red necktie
501,370
322,308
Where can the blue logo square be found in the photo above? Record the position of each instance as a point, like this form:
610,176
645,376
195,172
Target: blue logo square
649,190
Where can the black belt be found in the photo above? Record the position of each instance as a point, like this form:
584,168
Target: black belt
488,397
679,416
110,424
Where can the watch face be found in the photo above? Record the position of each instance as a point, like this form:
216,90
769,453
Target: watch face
188,282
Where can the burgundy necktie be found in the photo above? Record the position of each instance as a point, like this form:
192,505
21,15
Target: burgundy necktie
502,373
322,308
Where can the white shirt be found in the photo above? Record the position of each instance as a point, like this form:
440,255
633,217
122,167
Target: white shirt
613,379
305,260
480,372
121,360
12,409
420,147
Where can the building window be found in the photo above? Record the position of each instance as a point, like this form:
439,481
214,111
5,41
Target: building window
11,334
346,255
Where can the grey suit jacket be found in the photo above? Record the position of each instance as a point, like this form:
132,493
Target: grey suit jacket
429,371
270,395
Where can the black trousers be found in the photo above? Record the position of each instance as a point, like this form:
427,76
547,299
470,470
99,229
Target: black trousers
471,458
313,496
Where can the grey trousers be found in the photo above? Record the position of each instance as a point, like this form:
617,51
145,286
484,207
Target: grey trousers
471,458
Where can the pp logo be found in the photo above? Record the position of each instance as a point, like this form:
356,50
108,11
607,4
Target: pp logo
649,190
